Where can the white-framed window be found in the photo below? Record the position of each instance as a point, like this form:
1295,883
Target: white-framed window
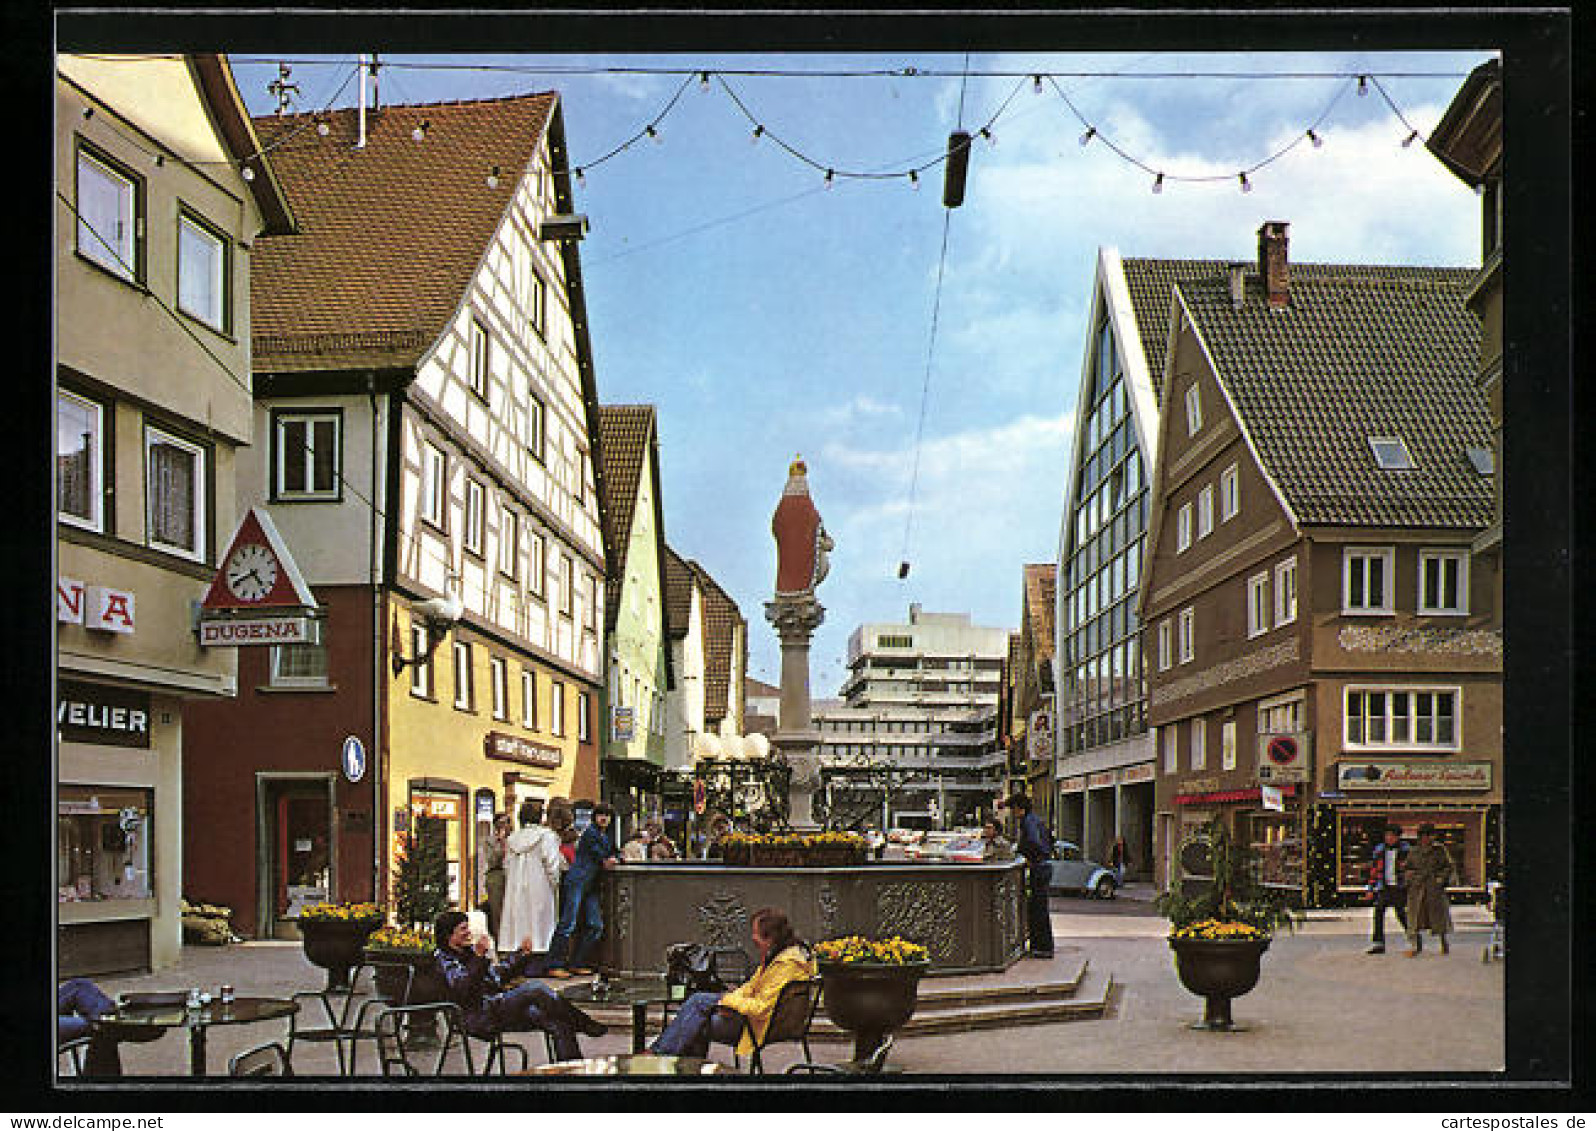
537,568
174,487
1286,592
434,484
202,271
1280,716
557,707
537,303
1229,493
480,347
1426,718
1188,634
421,671
1205,511
299,665
1258,604
1366,579
1165,652
529,698
534,425
509,542
1194,409
309,451
583,724
463,691
1183,528
1199,743
1171,748
1227,744
567,585
589,617
476,502
1444,582
79,461
499,670
108,215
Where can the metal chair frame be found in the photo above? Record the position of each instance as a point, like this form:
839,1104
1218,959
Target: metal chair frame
810,989
73,1050
269,1059
338,1029
873,1065
393,1023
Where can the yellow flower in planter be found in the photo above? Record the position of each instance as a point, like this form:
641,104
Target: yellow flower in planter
894,951
401,940
341,913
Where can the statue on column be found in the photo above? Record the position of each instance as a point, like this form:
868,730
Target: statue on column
802,545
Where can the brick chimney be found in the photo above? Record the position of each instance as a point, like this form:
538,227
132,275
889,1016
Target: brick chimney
1274,268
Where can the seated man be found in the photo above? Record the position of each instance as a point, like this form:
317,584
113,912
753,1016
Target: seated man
995,846
709,1016
78,1004
479,988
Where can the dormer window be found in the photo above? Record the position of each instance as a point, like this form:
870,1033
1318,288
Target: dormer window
1482,460
1390,453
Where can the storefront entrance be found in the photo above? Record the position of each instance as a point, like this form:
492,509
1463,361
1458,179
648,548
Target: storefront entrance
295,850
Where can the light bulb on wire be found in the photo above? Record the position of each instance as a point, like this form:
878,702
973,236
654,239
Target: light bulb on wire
914,180
703,81
1413,136
580,179
1318,142
1036,84
653,134
247,173
1091,132
493,177
1363,85
991,138
420,132
1246,185
1158,184
830,178
759,132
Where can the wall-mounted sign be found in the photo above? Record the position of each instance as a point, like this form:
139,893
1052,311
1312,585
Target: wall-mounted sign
69,600
621,724
1132,774
443,806
106,716
257,630
257,570
353,759
1099,780
1284,757
514,748
1072,785
96,607
1364,776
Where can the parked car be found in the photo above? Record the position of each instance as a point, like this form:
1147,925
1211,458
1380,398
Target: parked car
1072,872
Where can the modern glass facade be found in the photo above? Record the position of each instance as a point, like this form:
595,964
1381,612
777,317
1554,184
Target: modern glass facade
1104,697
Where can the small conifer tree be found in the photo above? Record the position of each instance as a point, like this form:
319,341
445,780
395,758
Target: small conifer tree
421,876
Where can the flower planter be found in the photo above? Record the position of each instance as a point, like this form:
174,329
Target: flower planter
392,982
335,945
1218,970
870,999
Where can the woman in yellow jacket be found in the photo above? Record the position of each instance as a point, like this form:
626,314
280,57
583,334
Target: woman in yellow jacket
706,1017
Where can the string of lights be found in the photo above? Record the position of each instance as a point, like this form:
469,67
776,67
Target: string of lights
650,131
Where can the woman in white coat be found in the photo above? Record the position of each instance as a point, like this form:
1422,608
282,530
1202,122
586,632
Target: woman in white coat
531,880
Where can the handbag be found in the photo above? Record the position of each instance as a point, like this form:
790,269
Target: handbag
691,964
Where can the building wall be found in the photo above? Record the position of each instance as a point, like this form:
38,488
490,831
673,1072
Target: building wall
684,706
637,666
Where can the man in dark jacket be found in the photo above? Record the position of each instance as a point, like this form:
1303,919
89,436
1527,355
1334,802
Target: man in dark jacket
479,988
1387,884
579,914
1036,846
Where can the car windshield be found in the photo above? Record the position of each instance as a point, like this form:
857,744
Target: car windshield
1068,851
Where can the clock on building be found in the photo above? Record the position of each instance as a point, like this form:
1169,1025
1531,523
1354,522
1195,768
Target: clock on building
251,571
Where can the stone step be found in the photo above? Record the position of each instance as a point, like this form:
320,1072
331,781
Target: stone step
934,996
1090,1002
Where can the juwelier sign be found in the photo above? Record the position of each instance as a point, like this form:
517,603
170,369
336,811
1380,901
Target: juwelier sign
106,716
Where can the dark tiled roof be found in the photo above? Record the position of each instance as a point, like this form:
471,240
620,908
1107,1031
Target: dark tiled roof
390,234
1040,587
678,594
721,619
625,431
1150,283
1359,352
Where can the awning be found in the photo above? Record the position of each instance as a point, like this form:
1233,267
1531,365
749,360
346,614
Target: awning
1253,794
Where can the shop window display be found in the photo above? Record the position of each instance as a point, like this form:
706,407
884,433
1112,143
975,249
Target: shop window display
103,844
1461,832
1276,841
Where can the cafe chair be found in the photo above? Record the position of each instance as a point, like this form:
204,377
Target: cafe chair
363,1028
873,1065
338,1029
270,1059
73,1050
498,1047
394,1030
789,1022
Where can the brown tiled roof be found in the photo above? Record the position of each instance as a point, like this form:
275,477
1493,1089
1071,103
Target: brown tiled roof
678,594
1359,352
390,234
758,687
1040,586
721,618
626,431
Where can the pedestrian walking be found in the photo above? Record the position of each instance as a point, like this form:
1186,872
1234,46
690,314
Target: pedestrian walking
482,990
1430,869
1118,858
532,880
1034,843
490,869
1387,884
581,921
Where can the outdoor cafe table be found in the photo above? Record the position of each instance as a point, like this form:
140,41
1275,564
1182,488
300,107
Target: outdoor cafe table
241,1011
639,993
635,1064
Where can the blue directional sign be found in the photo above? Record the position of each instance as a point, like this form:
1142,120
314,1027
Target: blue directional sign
354,759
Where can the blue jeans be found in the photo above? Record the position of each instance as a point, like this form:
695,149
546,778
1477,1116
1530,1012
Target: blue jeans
695,1025
78,1004
532,1006
1037,876
579,917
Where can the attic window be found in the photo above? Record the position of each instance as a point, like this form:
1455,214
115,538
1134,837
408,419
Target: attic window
1390,453
1482,459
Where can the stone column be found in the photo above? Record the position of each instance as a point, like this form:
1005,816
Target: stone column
796,739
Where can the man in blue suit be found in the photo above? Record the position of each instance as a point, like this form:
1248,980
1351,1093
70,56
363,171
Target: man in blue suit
1388,884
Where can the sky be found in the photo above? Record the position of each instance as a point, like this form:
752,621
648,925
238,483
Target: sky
767,315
